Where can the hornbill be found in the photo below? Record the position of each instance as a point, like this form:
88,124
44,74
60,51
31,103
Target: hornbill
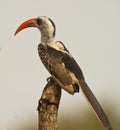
61,65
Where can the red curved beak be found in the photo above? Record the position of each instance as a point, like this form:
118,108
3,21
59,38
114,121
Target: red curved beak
26,24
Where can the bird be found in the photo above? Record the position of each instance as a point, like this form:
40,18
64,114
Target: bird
61,65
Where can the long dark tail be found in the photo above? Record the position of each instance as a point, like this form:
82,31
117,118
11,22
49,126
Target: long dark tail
95,104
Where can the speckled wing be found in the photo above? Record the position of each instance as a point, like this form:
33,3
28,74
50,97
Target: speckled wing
56,65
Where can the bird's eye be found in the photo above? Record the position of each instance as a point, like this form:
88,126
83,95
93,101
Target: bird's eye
39,21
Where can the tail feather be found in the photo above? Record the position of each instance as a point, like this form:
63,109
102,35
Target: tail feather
95,104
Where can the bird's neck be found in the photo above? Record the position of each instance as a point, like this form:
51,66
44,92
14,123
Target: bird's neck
47,41
47,38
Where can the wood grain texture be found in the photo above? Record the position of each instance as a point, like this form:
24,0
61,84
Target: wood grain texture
48,106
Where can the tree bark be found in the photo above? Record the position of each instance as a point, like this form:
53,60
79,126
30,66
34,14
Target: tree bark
48,106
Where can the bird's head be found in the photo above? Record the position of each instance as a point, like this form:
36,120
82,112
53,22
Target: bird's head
44,24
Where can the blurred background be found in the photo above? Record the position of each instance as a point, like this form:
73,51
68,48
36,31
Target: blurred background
90,30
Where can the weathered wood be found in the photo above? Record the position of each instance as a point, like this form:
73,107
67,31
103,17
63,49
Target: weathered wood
48,106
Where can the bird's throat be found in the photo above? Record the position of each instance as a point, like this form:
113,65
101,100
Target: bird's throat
47,39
